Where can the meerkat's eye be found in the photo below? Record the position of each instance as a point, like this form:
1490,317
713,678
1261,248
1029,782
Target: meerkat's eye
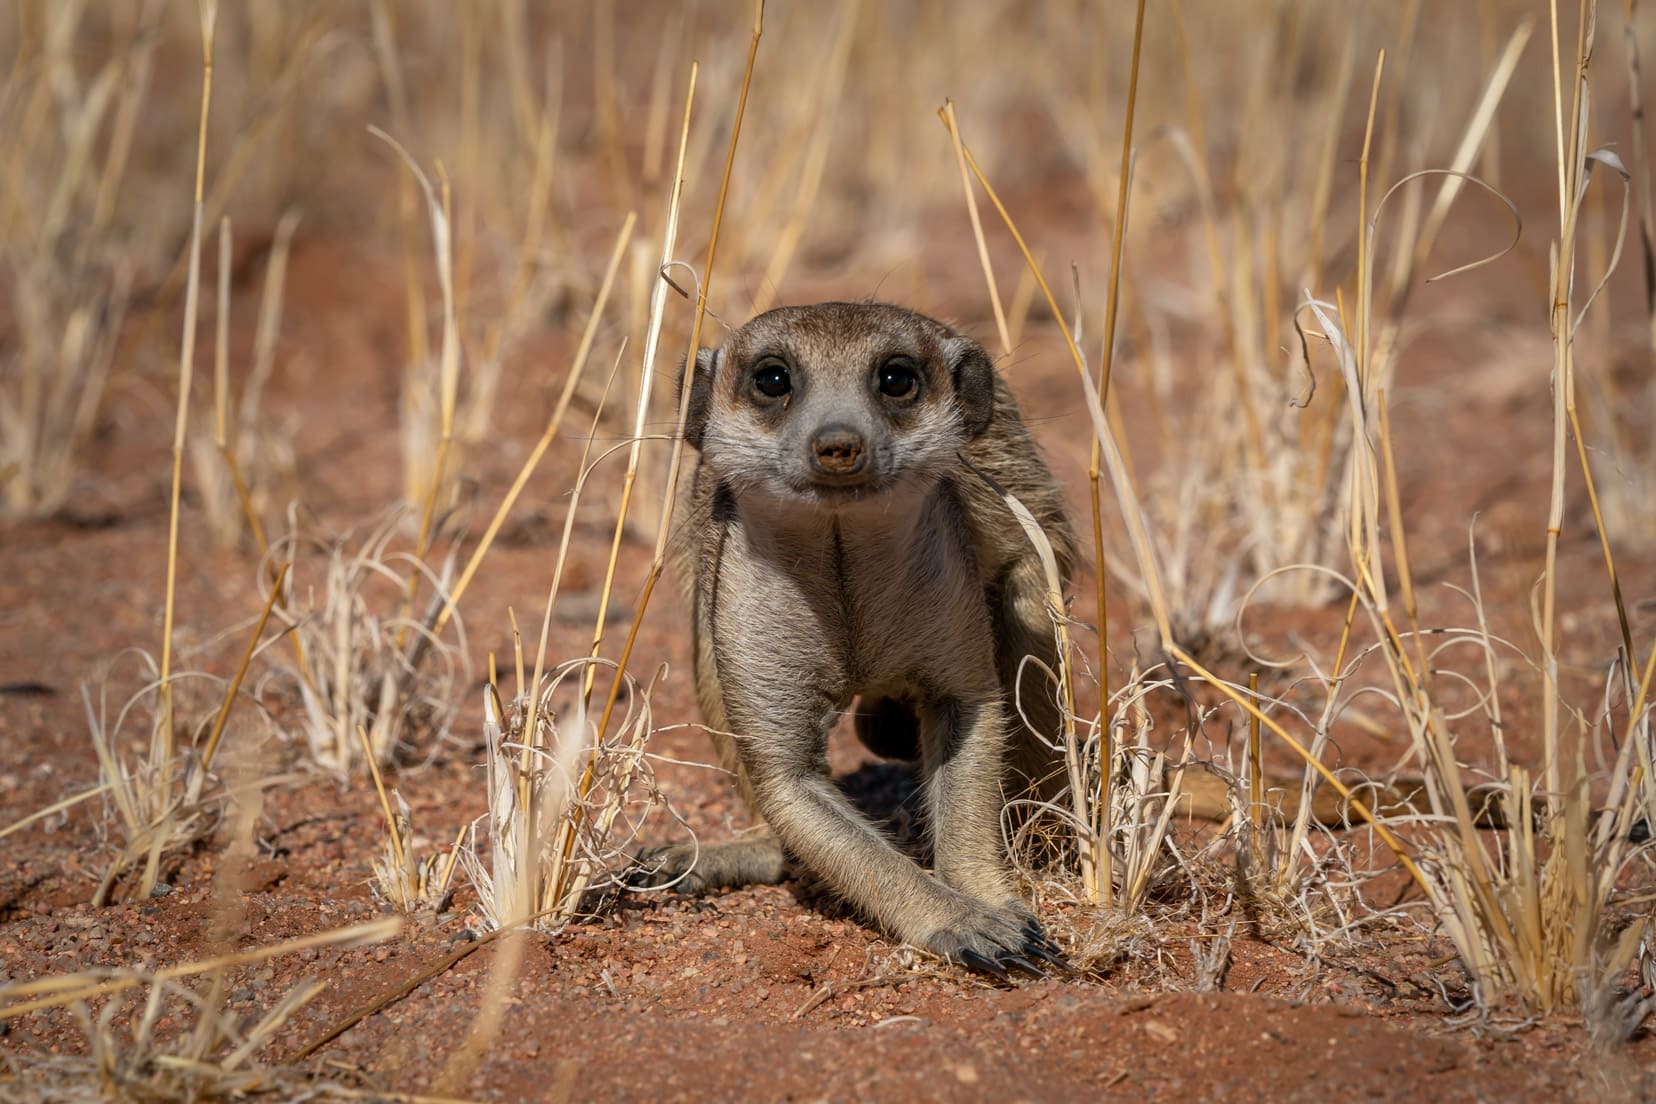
772,380
898,378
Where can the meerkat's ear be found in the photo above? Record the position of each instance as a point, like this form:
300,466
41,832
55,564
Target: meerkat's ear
701,394
974,380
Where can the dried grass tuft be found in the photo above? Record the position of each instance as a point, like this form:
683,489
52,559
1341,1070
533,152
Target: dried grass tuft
151,1036
565,801
353,668
409,881
163,799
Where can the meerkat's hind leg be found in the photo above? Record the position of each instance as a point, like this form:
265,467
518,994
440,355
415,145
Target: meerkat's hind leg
754,859
1035,721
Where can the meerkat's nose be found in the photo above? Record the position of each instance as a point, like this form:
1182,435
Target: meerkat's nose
837,450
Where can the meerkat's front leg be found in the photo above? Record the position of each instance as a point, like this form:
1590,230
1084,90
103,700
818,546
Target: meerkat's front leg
961,743
818,825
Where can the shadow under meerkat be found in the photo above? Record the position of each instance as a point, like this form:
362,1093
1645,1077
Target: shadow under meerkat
834,548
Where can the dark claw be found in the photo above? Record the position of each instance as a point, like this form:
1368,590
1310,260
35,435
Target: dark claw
1036,937
1023,966
649,869
1051,957
983,964
640,875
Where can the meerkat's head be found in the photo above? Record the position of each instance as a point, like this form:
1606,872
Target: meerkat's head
838,402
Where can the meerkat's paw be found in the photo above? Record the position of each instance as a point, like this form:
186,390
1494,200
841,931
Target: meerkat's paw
998,942
753,860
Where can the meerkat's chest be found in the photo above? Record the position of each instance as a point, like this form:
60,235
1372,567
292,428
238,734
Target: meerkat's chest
858,605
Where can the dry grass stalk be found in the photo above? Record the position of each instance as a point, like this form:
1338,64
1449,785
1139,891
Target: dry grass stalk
24,997
646,376
1106,363
235,469
161,750
977,229
426,463
1144,797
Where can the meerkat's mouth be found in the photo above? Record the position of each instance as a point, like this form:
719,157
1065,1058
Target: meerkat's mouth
886,491
859,481
829,490
846,490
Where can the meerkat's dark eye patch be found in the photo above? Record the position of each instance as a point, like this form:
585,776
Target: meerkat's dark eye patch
898,378
771,379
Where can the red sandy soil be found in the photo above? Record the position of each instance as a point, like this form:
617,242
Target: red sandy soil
762,993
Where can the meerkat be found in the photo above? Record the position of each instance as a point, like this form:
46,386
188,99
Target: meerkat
836,547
